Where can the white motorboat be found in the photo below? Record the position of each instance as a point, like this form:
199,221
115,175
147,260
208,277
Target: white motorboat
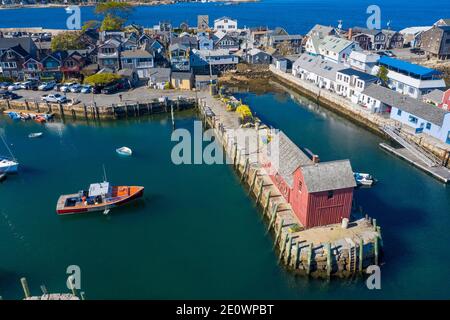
363,179
124,151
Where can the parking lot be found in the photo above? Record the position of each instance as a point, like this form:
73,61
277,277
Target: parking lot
140,94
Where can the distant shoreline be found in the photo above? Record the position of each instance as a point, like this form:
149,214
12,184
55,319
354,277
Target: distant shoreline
133,3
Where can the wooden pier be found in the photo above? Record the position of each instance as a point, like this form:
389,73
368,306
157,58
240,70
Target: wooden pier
96,112
318,252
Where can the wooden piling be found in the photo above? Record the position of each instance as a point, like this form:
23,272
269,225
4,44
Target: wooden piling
274,215
329,262
252,185
289,251
260,191
361,255
266,207
297,256
61,110
280,227
283,247
27,105
309,258
85,111
244,170
26,289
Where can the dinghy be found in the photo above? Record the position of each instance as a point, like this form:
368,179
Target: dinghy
124,151
35,135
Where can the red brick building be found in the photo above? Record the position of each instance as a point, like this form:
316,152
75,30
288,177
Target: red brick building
319,193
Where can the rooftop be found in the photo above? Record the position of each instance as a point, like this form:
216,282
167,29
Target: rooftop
335,44
361,75
325,176
408,67
413,106
136,54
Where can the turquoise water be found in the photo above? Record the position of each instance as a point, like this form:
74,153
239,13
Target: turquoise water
196,234
294,15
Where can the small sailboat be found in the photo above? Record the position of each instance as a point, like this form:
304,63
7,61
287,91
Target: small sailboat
8,165
124,151
35,135
363,179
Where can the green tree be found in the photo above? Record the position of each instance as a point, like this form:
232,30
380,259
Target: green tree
115,14
383,75
101,78
68,40
91,24
112,23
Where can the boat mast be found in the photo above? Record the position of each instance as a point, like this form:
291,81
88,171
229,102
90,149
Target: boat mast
7,147
104,174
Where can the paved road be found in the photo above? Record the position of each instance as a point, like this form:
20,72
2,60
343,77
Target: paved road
140,94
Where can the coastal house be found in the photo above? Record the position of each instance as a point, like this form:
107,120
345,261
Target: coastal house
204,81
108,55
435,97
52,64
412,36
140,61
368,39
436,42
320,193
226,42
72,64
202,22
314,37
394,39
159,78
12,61
445,104
179,57
257,56
32,68
363,61
442,22
351,82
182,80
317,70
257,35
216,61
411,79
225,24
186,40
420,116
279,37
337,49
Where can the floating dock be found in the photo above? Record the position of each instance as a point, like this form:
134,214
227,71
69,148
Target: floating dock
317,252
439,172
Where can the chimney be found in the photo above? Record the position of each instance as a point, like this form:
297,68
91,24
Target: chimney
315,159
350,34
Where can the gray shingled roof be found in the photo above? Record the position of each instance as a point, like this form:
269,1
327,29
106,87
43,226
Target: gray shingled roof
290,158
436,96
136,54
412,106
361,75
319,66
25,42
325,176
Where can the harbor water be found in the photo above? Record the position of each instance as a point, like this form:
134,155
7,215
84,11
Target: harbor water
196,233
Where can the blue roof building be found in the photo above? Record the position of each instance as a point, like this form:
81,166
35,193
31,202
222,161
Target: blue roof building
411,79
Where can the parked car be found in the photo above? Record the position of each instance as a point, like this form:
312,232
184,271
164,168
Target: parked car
29,85
54,98
110,89
389,53
45,86
417,51
14,86
75,88
86,89
8,95
4,85
66,86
